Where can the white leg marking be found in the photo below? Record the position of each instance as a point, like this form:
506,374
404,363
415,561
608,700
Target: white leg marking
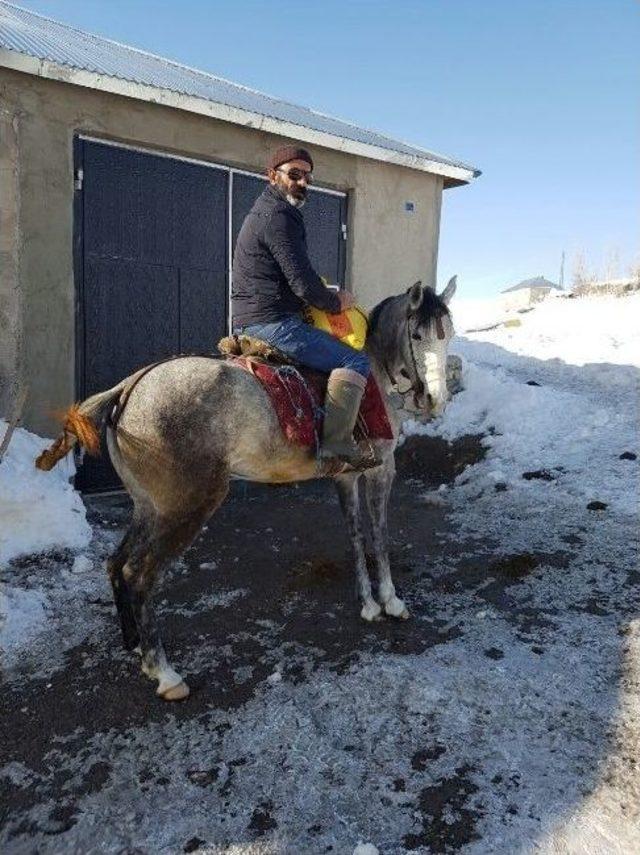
370,610
171,686
395,607
386,591
168,679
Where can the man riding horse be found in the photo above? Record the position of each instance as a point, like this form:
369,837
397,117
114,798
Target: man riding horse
185,427
273,282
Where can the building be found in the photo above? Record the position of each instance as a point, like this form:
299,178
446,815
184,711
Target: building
527,293
124,179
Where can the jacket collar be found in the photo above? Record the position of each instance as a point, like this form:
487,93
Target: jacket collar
275,193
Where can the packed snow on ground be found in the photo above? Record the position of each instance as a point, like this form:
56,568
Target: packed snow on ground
40,512
556,399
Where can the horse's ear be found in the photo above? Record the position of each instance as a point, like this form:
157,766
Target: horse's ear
449,291
416,295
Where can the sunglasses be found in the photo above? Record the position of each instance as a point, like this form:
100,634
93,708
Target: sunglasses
297,174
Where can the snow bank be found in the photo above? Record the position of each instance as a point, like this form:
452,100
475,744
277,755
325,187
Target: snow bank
39,511
578,331
557,400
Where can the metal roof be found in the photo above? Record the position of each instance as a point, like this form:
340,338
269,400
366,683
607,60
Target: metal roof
58,47
536,282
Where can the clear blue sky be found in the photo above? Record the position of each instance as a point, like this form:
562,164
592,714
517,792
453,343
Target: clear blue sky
542,95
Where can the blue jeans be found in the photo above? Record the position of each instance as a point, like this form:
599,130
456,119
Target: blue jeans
309,346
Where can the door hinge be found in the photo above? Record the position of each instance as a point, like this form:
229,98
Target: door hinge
79,178
344,231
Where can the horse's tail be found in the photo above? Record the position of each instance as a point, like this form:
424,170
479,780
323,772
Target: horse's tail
82,424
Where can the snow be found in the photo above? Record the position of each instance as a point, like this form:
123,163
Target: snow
39,511
81,564
23,615
567,431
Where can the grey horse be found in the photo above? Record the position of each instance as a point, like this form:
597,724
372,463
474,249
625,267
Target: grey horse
191,424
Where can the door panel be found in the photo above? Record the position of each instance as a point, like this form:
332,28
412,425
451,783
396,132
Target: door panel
130,320
199,315
151,267
323,216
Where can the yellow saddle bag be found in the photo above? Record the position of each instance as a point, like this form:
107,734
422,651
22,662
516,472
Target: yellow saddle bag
350,327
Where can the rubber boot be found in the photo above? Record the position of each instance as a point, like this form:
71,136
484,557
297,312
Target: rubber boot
342,404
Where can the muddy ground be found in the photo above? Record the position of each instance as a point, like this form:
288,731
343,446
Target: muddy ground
481,724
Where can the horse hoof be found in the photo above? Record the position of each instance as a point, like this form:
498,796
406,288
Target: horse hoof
175,693
396,608
370,611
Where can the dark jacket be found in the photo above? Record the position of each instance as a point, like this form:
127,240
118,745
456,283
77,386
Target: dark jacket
272,274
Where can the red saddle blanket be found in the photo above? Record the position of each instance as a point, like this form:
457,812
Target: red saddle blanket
297,395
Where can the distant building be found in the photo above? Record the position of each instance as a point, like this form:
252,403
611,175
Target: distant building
527,292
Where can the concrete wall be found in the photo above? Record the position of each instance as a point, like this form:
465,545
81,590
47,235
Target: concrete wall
10,293
388,248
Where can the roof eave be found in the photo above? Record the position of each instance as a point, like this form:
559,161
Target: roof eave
452,175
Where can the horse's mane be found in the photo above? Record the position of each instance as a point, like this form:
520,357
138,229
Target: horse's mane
430,308
374,314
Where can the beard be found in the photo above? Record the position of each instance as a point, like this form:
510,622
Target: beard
295,195
296,201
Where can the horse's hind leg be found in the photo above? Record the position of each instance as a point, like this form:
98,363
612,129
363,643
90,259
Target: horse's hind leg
378,483
154,664
168,537
348,494
121,592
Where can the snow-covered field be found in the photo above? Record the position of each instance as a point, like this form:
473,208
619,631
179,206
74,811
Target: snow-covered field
557,397
539,678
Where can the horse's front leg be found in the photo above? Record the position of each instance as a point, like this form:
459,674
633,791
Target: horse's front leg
378,485
348,494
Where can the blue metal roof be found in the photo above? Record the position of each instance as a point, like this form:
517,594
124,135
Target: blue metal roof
27,33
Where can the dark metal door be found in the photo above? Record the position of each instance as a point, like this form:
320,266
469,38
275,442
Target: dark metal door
151,268
324,214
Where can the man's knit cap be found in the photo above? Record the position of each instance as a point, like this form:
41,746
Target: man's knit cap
286,153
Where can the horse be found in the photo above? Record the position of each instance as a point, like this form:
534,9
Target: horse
188,425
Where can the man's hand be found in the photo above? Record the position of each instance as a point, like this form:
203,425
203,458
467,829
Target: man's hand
347,300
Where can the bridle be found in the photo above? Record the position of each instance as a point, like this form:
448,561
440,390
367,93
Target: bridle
417,384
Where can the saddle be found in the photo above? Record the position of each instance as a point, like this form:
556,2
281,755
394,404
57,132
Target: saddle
246,345
297,393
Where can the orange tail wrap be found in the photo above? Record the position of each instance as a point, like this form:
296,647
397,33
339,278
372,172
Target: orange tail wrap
76,428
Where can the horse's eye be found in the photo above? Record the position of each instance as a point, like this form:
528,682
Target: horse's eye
416,336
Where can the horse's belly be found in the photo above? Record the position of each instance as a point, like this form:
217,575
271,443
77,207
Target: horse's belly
277,462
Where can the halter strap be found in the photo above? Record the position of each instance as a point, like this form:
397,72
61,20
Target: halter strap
417,385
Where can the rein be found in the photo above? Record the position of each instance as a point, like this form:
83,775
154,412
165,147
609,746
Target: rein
417,386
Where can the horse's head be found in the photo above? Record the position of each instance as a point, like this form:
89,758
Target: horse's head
412,335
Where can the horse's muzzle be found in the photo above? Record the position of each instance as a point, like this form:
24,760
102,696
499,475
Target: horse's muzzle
437,406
